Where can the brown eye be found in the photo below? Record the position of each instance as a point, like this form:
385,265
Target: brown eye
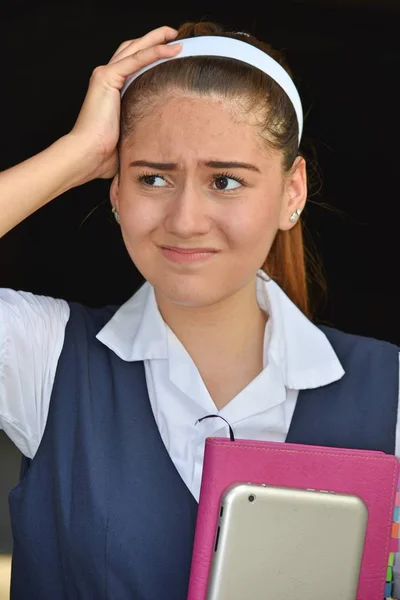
221,183
149,179
227,183
152,180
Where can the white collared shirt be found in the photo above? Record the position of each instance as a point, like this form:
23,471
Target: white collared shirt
297,356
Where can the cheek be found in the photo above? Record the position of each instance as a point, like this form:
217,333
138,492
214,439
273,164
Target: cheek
253,224
139,216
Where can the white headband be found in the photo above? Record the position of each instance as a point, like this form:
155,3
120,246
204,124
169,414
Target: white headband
233,48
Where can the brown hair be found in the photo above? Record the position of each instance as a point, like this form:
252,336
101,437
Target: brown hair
257,94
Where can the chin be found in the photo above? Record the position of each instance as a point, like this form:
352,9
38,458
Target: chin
189,298
190,293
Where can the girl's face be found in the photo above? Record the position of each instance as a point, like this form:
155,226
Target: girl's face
201,199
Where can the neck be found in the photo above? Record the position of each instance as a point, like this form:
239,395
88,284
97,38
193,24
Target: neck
230,328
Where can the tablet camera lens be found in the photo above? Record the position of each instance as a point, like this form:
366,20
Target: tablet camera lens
252,498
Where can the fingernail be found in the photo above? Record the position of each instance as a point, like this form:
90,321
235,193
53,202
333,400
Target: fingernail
175,45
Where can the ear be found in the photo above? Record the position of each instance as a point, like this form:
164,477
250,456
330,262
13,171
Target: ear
295,193
114,193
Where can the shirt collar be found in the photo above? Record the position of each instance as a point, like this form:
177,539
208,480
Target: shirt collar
301,350
298,348
137,330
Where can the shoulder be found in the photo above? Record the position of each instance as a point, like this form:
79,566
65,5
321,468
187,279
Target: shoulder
22,302
352,340
31,318
351,347
90,317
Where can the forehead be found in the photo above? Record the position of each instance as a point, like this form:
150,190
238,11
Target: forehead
191,125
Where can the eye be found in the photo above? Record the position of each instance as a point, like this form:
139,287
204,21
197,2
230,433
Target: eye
227,183
151,180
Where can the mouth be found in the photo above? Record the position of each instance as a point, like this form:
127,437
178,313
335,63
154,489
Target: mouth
187,255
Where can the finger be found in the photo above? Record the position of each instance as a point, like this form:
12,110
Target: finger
162,35
133,63
121,47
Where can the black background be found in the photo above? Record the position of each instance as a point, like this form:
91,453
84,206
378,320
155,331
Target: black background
346,59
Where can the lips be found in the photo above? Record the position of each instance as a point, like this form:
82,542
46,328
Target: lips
189,250
178,254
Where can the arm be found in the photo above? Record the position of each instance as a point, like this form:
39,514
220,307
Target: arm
32,332
30,185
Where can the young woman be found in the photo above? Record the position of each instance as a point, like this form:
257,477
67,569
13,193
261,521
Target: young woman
208,189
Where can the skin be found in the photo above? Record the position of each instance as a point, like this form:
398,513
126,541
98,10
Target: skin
189,203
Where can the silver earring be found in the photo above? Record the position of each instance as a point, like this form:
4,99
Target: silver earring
116,214
294,217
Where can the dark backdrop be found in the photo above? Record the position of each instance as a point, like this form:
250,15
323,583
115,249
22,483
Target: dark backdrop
346,58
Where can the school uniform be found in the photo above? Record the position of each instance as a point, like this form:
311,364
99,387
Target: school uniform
104,405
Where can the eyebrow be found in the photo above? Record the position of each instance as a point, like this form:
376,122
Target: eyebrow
213,164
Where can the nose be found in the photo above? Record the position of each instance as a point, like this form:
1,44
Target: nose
187,215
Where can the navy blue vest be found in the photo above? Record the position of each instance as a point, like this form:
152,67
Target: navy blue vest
101,512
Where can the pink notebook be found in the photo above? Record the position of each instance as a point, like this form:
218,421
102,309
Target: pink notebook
373,476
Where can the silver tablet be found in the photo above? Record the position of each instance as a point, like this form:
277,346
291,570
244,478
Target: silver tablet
282,543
